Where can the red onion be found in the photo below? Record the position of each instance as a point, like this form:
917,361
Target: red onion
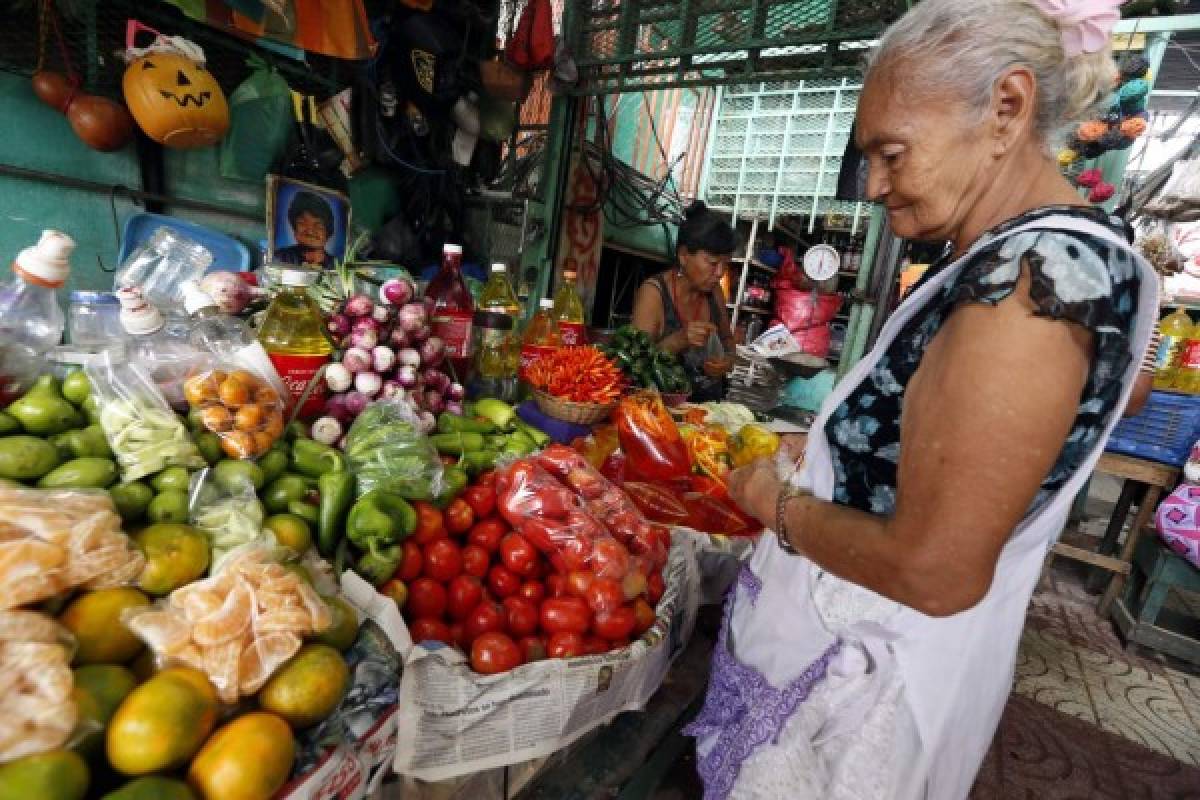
406,376
396,292
409,357
411,317
434,402
338,325
359,305
426,422
335,406
356,402
436,380
454,407
357,359
369,383
338,377
392,390
384,358
455,392
399,338
228,291
327,430
422,333
433,350
366,339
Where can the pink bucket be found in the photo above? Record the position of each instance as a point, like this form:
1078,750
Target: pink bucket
1178,521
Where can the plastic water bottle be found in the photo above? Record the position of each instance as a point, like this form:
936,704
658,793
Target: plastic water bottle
31,320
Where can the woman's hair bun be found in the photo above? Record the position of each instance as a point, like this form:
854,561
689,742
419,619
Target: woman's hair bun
695,210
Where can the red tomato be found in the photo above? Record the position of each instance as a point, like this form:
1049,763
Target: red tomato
426,598
459,516
574,550
518,554
493,653
522,616
616,624
481,499
533,591
456,634
475,561
556,585
568,614
503,582
643,615
604,595
443,560
430,524
565,645
487,534
610,558
579,581
595,645
532,648
485,617
655,587
430,630
410,565
397,590
463,594
487,479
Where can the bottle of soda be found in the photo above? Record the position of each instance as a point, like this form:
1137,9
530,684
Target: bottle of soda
293,334
451,310
541,336
568,309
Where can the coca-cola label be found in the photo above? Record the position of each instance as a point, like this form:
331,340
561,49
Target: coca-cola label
530,354
573,333
297,371
1190,359
454,328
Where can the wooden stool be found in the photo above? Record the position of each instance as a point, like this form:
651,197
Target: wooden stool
1155,571
1156,478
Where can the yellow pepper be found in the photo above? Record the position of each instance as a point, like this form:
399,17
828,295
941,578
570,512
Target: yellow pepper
751,442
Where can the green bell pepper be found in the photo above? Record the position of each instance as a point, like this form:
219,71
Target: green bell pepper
454,480
379,563
283,490
455,444
380,518
478,461
337,495
311,458
455,423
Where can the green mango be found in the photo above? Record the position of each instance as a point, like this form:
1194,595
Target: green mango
82,443
76,387
91,409
8,424
88,472
209,445
43,411
26,458
152,787
169,506
171,478
131,499
231,475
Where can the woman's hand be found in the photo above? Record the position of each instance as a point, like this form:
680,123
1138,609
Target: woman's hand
718,367
698,333
755,488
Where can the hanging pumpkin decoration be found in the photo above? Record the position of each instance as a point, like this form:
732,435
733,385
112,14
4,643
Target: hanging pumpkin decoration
175,100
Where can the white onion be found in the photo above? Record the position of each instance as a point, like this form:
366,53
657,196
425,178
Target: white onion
369,383
411,317
356,360
408,357
338,377
384,358
326,430
392,390
406,376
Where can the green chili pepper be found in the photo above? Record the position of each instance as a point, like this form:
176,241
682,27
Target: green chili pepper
380,518
455,444
454,480
337,494
296,430
478,461
378,564
539,437
305,511
519,443
314,459
454,423
283,490
273,464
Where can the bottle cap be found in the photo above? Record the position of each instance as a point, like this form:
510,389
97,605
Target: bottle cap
494,320
452,248
195,298
137,316
546,303
298,277
500,267
47,262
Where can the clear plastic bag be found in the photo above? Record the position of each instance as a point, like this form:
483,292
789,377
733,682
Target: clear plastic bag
242,408
52,541
226,507
143,432
237,626
167,357
39,713
654,449
385,449
161,265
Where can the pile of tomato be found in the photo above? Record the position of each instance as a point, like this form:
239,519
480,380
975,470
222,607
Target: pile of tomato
523,566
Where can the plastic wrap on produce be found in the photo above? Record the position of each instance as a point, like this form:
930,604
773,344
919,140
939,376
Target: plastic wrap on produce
453,721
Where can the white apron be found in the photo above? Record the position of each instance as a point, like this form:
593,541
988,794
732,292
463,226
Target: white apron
947,679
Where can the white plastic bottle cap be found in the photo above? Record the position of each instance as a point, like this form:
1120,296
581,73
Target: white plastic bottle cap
47,263
452,248
195,298
500,267
138,320
298,277
546,304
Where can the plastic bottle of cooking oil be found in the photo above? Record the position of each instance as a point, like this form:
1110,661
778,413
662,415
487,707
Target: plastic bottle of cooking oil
568,308
293,334
498,297
541,337
1174,330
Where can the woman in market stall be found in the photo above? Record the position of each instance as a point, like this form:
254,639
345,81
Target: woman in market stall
683,309
870,641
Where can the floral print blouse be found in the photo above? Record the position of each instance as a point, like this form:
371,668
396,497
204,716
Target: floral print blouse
1075,277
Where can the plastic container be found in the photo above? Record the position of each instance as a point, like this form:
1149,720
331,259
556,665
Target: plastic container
568,309
161,266
1164,431
93,319
31,320
293,335
498,294
494,372
451,310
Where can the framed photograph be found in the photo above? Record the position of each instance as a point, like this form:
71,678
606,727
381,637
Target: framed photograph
307,225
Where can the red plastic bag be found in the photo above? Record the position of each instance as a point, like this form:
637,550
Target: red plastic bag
798,310
712,510
653,447
532,44
657,503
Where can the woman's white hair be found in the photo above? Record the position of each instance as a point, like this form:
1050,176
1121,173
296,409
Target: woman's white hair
964,46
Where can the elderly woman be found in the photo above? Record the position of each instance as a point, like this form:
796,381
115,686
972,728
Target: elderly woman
869,643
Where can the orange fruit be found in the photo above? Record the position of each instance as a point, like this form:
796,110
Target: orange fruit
233,392
238,444
162,723
263,442
248,759
249,417
245,376
216,418
266,396
307,688
95,620
274,424
200,390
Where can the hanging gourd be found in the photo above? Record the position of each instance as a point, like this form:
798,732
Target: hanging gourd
173,98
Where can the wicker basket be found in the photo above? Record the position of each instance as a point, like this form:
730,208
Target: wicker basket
569,411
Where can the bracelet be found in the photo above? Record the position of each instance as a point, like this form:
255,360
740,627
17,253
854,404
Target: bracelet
785,494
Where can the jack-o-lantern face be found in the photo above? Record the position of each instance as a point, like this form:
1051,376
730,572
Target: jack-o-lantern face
175,101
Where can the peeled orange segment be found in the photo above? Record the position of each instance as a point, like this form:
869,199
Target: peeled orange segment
200,604
262,657
190,656
283,620
221,664
163,631
120,575
28,589
29,626
230,621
